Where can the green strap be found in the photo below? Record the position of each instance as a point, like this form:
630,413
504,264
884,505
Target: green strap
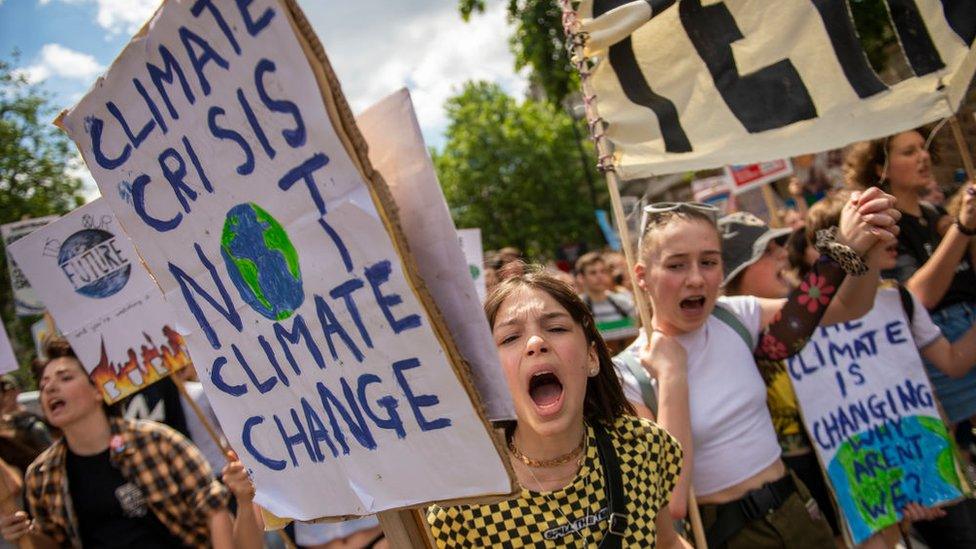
628,359
633,364
732,321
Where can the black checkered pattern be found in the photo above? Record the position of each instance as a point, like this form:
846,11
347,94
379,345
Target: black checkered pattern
650,461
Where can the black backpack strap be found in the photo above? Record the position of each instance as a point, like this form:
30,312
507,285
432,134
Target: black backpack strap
620,310
907,303
614,488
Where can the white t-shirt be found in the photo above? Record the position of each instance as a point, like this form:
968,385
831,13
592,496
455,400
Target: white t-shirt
731,429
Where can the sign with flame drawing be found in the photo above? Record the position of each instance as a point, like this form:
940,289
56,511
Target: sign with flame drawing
86,271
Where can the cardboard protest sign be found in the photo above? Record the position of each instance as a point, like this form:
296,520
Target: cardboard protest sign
873,418
8,362
745,177
397,150
26,302
715,190
40,333
85,269
686,85
470,241
223,144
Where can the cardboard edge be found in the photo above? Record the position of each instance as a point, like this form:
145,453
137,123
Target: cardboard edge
344,122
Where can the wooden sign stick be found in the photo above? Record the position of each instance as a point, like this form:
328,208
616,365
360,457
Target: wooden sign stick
967,158
605,164
212,431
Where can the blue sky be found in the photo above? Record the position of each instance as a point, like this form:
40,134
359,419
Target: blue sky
375,46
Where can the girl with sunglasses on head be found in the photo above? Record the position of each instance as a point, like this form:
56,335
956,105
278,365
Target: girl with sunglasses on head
593,475
712,397
935,261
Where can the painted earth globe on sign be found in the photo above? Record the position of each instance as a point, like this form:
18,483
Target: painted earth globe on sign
93,263
261,261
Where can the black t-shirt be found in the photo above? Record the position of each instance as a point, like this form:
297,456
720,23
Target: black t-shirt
158,402
111,511
918,239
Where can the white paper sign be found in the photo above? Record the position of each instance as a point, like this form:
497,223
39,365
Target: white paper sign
85,269
873,418
26,302
320,361
699,84
398,151
470,240
8,362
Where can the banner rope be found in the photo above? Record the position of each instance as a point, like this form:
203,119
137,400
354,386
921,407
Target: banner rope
576,39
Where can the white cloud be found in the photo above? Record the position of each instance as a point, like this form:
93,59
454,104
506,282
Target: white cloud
426,47
118,16
57,60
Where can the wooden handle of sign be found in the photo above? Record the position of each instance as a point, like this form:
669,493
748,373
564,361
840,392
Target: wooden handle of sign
405,529
218,440
967,158
770,199
697,528
620,220
10,487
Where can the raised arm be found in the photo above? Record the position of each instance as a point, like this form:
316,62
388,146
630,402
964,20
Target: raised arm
666,360
931,281
826,295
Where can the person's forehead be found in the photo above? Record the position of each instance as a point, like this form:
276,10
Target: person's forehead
61,364
686,237
527,302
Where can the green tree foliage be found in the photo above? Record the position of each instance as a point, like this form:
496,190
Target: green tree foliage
34,159
514,170
538,41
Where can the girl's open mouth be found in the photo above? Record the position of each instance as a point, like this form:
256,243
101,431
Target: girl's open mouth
545,390
55,405
693,304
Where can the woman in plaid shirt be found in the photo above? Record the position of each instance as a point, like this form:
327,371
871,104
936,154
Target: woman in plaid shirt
117,483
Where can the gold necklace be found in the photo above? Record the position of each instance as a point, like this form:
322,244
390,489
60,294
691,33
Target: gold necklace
548,463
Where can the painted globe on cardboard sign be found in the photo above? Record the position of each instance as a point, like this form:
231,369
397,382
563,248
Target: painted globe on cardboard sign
93,263
261,261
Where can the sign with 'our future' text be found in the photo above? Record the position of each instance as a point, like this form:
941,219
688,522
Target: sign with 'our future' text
86,271
226,153
692,84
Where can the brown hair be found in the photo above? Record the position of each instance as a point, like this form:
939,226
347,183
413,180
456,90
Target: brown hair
825,213
663,219
796,251
865,160
604,400
588,259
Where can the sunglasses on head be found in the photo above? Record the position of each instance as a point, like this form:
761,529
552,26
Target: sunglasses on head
658,208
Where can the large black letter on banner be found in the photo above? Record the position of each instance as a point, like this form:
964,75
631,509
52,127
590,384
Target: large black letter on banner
635,87
961,15
914,37
843,37
769,98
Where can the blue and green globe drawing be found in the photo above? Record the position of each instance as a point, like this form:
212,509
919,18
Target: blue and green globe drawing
261,261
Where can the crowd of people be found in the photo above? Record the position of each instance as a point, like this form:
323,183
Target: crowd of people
620,429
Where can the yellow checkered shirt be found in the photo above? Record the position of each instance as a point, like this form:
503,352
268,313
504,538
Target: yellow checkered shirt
575,516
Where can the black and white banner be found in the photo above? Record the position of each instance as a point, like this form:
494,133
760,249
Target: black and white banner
692,84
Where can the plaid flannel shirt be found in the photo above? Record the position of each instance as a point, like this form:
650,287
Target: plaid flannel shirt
172,474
